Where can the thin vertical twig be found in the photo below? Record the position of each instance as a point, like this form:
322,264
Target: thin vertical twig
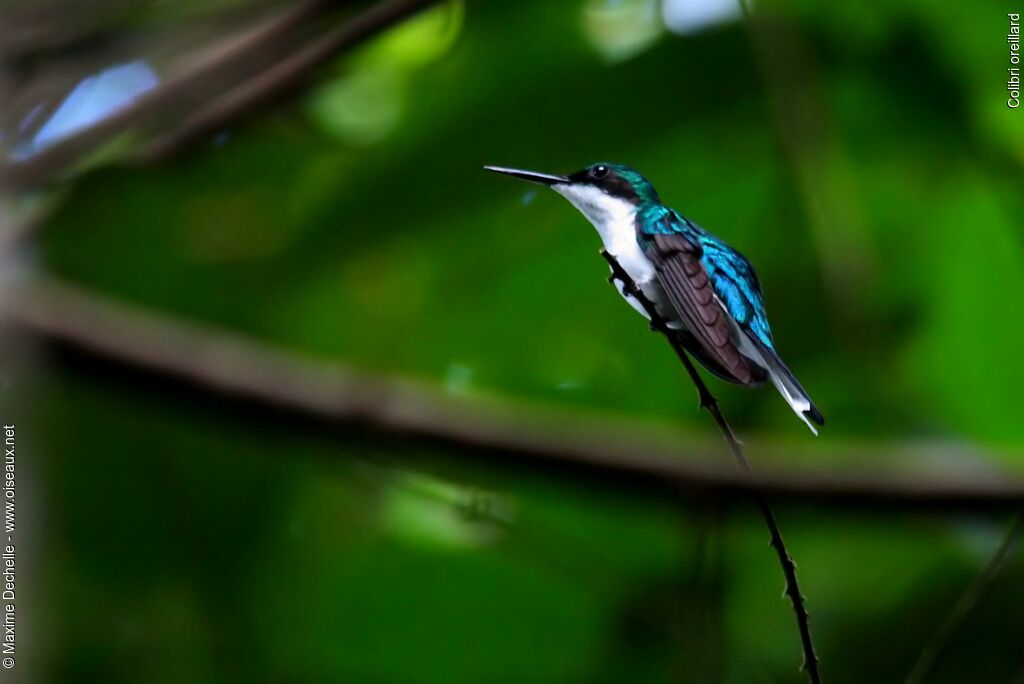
710,403
965,604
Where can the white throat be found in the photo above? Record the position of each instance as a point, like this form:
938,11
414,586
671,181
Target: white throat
614,218
615,221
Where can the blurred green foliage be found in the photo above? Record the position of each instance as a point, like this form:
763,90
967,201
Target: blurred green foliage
188,541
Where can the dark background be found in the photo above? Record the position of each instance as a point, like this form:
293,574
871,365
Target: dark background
860,154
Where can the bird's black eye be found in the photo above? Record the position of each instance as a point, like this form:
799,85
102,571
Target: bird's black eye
599,171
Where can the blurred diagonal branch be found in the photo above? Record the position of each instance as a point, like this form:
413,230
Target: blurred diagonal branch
221,64
279,78
250,67
623,454
965,604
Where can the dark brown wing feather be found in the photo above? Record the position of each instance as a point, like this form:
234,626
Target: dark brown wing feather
689,290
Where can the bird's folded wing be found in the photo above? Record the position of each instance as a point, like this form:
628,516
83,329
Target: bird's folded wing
689,290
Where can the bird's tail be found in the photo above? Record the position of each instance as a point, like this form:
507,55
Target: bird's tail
789,387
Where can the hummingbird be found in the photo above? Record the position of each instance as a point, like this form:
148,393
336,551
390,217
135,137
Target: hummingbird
706,292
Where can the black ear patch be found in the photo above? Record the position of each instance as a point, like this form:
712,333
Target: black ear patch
617,186
607,179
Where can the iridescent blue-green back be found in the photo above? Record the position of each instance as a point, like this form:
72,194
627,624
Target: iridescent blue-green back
731,275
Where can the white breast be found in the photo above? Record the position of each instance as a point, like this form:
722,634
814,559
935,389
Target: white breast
615,221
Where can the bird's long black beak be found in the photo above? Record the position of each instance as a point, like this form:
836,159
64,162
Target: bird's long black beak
532,176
